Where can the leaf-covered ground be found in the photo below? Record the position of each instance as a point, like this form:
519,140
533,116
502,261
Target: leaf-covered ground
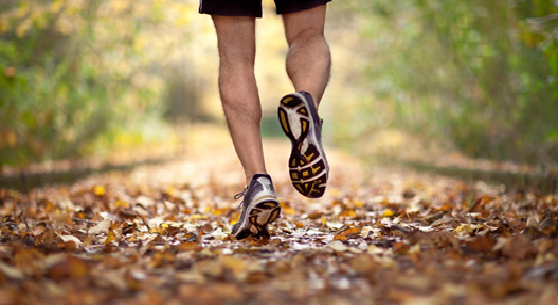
161,235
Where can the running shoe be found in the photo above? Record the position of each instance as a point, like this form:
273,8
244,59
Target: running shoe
260,207
308,168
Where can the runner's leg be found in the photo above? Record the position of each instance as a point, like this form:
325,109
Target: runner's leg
238,90
308,59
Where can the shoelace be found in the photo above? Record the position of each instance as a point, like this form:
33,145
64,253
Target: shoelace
241,194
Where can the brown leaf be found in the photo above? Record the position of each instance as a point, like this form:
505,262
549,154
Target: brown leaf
189,246
479,245
315,215
548,226
206,228
349,233
63,218
364,264
400,248
69,268
519,247
477,206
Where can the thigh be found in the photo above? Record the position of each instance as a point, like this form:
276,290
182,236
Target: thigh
236,38
309,19
294,6
252,8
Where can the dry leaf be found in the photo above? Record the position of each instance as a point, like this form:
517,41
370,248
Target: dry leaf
464,229
70,238
102,227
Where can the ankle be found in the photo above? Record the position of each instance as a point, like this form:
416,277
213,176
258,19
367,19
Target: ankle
250,176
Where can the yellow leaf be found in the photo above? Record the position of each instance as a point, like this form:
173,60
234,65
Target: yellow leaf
155,230
170,191
340,237
324,221
110,237
464,229
347,213
122,204
49,207
288,211
99,190
388,213
334,192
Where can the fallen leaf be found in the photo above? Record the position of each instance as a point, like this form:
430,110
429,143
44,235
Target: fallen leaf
121,204
337,245
365,231
69,268
519,247
400,248
387,213
218,234
479,245
464,229
70,238
110,237
99,190
477,206
315,215
11,272
102,227
548,226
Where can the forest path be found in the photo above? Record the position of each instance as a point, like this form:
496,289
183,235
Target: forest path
161,235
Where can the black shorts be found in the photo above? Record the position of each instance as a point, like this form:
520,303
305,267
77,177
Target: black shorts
254,7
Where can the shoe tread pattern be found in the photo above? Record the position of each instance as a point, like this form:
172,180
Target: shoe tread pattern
269,209
307,169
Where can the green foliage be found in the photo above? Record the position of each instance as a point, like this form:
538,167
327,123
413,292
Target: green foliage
482,73
72,71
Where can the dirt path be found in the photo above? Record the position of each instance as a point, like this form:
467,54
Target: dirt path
160,235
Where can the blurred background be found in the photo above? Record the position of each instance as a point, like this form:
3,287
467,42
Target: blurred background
427,83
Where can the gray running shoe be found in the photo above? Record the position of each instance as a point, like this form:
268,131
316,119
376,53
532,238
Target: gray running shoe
308,168
260,207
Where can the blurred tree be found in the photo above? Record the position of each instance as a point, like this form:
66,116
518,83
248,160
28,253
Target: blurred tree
72,71
481,73
183,96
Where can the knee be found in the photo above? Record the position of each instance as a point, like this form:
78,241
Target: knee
236,63
237,57
240,110
240,103
234,69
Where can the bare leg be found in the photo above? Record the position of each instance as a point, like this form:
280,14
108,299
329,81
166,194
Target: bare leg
308,60
237,87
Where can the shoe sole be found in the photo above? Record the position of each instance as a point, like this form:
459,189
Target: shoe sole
259,217
308,170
